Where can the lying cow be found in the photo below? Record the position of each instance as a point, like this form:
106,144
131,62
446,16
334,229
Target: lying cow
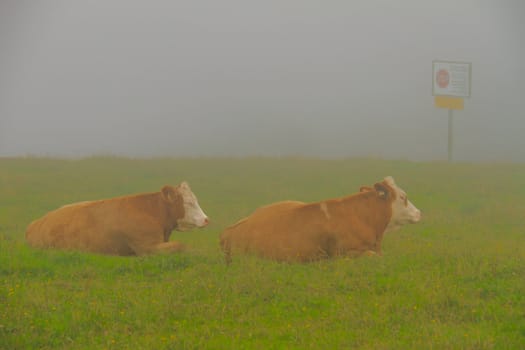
131,225
297,231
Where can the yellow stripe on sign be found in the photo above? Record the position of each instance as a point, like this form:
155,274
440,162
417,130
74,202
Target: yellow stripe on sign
448,102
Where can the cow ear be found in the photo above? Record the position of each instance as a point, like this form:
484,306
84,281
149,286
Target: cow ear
381,189
365,189
168,193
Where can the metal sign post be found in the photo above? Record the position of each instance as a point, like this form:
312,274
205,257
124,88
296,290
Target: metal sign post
450,135
450,83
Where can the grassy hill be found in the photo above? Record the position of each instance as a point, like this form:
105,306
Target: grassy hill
454,281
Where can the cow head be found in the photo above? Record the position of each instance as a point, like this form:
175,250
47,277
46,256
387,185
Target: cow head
184,207
403,211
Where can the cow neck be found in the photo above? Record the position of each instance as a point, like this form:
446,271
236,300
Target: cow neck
153,204
165,215
371,209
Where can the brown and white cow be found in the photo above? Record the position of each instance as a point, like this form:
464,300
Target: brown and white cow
348,226
130,225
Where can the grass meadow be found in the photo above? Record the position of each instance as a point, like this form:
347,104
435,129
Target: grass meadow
454,281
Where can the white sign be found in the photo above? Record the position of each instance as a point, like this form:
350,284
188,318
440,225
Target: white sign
451,78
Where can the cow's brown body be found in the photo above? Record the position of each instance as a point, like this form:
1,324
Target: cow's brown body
296,231
130,225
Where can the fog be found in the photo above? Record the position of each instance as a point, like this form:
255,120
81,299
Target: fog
271,78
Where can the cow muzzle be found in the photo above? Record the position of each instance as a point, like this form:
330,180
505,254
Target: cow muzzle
416,217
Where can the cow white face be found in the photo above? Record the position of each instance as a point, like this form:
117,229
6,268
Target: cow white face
193,214
403,211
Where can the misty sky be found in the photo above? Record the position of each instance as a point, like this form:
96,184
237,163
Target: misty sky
219,78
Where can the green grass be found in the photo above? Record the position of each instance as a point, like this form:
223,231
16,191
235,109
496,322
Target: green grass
454,281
